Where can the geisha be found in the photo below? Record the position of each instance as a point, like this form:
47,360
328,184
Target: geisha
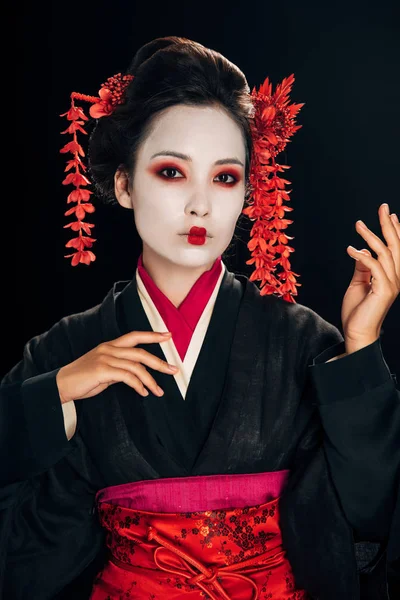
191,436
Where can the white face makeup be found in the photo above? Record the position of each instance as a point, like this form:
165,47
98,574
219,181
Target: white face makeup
170,194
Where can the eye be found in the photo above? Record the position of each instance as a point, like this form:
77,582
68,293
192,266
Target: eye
169,169
233,178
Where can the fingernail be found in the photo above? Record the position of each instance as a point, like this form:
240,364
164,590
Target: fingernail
165,333
395,217
159,390
386,207
358,251
172,367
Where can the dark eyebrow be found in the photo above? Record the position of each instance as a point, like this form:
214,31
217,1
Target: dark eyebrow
222,161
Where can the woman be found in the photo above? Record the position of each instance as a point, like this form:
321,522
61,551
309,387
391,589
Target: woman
273,444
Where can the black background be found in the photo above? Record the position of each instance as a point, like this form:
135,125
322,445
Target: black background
344,161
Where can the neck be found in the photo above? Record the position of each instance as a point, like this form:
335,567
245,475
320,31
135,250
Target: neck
175,281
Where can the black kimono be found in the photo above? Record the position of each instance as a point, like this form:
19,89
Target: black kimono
261,398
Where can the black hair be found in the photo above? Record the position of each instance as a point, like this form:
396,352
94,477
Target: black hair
167,71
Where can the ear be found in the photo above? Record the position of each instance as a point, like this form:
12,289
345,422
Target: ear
121,188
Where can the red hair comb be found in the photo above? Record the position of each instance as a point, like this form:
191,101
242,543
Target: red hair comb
111,94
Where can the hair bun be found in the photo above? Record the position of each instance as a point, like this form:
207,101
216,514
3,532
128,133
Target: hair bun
147,50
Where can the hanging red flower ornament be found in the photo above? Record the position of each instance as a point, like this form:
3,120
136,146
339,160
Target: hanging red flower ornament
272,124
110,95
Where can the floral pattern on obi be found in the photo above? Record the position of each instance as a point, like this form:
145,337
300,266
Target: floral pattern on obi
229,554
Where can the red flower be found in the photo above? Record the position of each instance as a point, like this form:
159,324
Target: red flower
78,225
82,256
272,125
104,107
75,225
72,147
111,94
74,113
80,207
75,163
76,179
75,126
80,242
79,195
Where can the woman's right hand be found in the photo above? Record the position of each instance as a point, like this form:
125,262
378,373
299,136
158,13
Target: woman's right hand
111,362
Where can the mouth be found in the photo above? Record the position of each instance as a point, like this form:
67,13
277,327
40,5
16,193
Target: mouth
197,236
200,231
197,232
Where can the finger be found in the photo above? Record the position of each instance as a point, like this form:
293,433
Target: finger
363,273
367,266
143,356
385,257
139,371
139,337
116,375
395,222
391,235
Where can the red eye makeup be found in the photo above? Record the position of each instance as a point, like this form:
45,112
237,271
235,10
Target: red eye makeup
159,170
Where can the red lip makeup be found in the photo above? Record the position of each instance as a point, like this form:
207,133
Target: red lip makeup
197,236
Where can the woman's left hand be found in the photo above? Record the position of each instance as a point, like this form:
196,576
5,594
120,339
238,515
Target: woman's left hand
367,302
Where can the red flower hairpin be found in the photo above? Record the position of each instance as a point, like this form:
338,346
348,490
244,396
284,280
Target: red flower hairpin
110,95
273,123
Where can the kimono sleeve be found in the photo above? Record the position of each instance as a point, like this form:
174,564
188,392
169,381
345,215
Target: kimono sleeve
32,431
48,532
359,406
393,551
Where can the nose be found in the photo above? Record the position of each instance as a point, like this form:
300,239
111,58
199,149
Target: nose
198,203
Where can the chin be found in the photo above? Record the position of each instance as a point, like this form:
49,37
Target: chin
195,256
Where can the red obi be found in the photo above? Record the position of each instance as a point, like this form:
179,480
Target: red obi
220,553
